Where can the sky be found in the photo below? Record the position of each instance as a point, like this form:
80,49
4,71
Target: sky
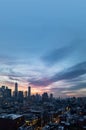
43,44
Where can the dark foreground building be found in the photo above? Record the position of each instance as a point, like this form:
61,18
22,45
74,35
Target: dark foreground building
11,122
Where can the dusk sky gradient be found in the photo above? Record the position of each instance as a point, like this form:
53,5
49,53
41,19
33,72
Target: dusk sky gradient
43,44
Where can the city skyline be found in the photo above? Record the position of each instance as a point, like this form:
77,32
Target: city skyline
43,44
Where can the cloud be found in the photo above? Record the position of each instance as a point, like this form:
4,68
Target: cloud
69,74
10,73
40,82
8,60
73,51
78,86
58,55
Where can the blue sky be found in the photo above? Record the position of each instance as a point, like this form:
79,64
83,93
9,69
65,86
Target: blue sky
43,44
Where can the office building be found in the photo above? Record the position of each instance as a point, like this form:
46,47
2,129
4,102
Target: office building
20,96
29,92
16,90
11,121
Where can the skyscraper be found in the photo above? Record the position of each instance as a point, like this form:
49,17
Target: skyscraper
20,96
16,89
45,97
25,94
29,92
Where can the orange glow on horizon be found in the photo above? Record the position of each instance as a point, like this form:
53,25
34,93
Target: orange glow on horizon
24,87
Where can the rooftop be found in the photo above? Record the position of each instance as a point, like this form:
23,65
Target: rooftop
10,116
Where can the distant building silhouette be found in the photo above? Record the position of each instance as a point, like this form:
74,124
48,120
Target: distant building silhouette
16,90
25,94
20,96
8,92
45,97
5,92
29,92
51,96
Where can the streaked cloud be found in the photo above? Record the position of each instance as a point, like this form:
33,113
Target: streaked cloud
68,74
58,55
